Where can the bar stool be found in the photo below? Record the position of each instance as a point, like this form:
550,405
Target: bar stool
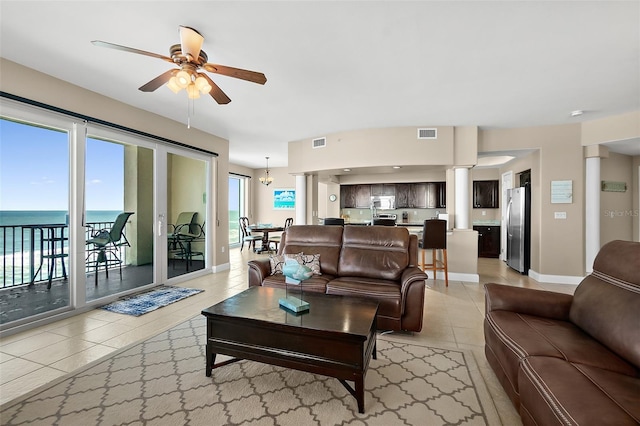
434,238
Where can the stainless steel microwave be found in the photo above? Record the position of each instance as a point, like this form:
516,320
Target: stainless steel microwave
384,202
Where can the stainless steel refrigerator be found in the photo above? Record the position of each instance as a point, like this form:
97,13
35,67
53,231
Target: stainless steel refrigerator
518,228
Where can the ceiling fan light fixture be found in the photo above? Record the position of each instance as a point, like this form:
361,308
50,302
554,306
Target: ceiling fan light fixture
193,91
202,84
183,79
173,85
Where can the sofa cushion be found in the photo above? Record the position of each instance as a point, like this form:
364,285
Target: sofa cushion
316,284
607,302
553,391
380,252
387,293
525,335
325,241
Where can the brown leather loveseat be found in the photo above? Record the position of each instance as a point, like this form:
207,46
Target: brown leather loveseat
376,262
571,360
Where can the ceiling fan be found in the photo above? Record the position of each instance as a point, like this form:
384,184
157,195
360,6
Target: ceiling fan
190,59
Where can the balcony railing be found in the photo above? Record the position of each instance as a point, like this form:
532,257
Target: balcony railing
21,265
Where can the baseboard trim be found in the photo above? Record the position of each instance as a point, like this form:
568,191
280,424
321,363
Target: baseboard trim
556,279
455,276
221,267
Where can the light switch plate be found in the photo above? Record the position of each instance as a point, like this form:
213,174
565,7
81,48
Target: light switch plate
560,215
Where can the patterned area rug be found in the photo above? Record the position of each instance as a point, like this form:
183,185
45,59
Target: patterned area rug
162,381
146,302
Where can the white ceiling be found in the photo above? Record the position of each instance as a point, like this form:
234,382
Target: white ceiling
335,66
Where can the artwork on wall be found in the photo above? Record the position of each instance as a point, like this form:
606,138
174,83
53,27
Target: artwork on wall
561,191
284,199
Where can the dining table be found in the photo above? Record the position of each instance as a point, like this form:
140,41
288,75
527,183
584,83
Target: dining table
265,229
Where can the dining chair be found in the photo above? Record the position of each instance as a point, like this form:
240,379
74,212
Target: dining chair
333,221
247,235
106,244
277,238
384,222
434,238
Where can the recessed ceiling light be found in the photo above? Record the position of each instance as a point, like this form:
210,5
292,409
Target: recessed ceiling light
347,170
397,167
577,113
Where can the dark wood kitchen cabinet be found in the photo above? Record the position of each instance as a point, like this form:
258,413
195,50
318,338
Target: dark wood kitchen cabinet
485,194
427,195
418,195
347,196
436,195
363,196
383,189
402,195
488,241
355,196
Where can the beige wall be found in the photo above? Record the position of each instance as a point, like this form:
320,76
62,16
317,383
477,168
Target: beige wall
616,128
557,246
263,211
616,208
363,148
36,86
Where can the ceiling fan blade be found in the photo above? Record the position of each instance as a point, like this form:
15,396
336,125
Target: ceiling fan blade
190,42
252,76
130,50
216,92
158,81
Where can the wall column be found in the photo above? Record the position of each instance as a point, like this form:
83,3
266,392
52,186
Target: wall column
592,211
301,200
462,197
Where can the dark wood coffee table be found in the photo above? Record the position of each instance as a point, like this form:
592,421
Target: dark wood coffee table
336,337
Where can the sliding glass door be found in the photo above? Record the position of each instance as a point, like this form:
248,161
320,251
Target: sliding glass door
89,213
186,213
119,214
34,216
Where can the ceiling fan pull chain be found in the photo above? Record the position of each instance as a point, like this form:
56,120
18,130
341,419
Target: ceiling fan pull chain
189,104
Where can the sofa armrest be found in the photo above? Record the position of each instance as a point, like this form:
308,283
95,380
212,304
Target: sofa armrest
259,269
409,276
546,304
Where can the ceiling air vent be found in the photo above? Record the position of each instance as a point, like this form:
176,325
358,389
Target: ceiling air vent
319,143
427,133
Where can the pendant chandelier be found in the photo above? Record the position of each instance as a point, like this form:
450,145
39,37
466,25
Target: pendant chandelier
266,179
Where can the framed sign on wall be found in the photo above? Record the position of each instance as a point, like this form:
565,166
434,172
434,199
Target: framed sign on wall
284,199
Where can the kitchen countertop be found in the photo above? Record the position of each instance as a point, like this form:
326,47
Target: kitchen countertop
486,223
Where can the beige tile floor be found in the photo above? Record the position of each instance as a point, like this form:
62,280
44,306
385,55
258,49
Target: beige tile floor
453,319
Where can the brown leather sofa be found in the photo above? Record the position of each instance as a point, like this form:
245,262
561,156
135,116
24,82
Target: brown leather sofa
375,262
571,360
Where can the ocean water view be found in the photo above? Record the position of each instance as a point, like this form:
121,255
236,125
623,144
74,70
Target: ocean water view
15,239
12,220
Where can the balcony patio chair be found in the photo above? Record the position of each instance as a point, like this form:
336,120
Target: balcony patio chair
185,223
277,238
247,235
185,237
106,244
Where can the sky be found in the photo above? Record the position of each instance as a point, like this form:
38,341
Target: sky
34,170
